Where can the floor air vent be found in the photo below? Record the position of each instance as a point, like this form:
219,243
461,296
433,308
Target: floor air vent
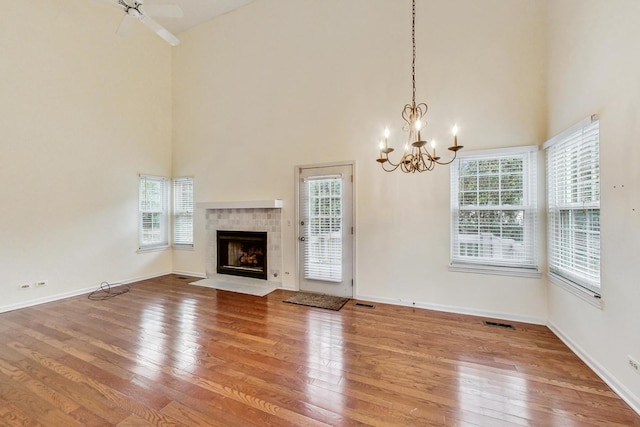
359,304
498,325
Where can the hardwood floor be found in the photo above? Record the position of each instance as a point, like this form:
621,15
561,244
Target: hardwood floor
167,353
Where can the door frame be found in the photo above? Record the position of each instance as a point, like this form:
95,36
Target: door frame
297,172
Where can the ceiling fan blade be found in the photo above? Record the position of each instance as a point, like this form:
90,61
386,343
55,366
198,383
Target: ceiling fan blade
115,3
164,10
126,26
160,30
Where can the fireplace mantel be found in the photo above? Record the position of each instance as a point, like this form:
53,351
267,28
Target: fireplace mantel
242,204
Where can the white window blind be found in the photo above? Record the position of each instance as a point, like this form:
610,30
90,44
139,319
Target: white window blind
573,189
322,213
152,209
493,207
183,211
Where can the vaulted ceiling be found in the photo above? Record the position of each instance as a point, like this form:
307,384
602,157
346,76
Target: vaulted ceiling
196,12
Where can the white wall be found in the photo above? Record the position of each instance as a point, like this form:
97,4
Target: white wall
593,68
82,112
281,83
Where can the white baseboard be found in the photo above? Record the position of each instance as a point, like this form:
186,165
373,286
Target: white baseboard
625,394
455,309
74,293
190,274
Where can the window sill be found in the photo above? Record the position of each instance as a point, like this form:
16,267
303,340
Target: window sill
153,249
584,294
499,271
184,247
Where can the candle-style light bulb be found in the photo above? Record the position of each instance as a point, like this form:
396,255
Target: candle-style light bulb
418,126
455,135
433,146
386,139
382,147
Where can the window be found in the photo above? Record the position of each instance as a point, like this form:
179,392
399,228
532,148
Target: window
573,190
493,207
153,219
183,212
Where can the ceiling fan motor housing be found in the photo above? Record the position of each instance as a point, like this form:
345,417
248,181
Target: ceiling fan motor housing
133,10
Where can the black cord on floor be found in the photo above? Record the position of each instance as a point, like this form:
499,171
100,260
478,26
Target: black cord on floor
105,292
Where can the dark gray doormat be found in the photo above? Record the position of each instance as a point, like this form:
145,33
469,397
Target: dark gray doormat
329,302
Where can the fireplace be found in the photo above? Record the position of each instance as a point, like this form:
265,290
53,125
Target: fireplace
245,216
242,253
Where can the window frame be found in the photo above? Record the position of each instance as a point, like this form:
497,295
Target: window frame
181,210
163,213
528,266
583,136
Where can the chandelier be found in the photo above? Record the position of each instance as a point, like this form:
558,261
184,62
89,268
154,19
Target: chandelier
416,157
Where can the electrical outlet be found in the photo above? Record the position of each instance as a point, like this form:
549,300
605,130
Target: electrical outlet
634,364
41,283
24,286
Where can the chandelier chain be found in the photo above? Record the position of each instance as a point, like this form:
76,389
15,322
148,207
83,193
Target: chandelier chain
413,40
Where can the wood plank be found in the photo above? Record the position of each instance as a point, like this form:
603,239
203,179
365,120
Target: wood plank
170,353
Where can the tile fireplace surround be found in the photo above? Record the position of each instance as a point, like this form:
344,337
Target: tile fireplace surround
246,216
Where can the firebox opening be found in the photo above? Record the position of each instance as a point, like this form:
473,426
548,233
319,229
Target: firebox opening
242,253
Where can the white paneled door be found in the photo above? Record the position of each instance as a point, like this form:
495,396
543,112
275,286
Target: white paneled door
325,230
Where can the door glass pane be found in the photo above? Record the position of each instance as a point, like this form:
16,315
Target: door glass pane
323,234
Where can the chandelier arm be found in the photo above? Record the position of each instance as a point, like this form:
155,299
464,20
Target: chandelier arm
415,163
450,160
422,108
395,165
407,112
405,165
424,152
427,164
391,169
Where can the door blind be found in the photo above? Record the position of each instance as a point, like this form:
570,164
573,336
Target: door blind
322,220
